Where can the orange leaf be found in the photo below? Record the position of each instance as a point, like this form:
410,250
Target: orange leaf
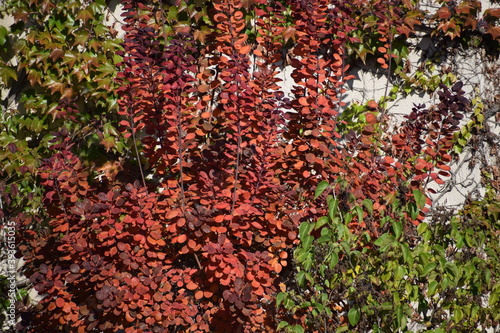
444,167
245,49
203,88
494,32
181,238
368,130
51,306
371,118
192,244
492,12
128,317
66,308
443,13
372,104
198,294
421,164
219,17
389,159
62,228
238,15
191,285
60,302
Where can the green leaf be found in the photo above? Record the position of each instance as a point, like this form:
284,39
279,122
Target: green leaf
7,73
342,329
397,227
495,295
85,14
279,299
282,325
321,222
452,270
413,210
384,241
305,229
406,254
399,273
368,205
346,246
326,236
422,227
306,241
333,205
106,68
320,188
400,319
432,288
3,33
353,316
334,259
359,211
301,276
301,255
458,314
419,198
298,329
348,218
428,268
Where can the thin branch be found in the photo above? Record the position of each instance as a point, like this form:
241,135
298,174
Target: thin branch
384,109
238,157
137,151
181,166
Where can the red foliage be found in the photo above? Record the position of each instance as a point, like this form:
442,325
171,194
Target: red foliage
203,245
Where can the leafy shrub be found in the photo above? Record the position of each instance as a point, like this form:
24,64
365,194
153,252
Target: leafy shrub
213,188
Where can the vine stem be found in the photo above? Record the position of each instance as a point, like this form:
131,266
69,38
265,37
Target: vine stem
56,182
238,149
137,156
238,157
179,142
181,166
389,70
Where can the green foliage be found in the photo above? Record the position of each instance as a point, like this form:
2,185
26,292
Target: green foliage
57,67
425,78
436,278
472,127
200,102
63,83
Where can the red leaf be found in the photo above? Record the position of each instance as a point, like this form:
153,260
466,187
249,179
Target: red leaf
421,164
181,238
60,302
371,118
191,285
444,167
389,159
245,49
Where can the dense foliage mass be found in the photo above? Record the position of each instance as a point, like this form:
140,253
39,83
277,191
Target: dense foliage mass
164,180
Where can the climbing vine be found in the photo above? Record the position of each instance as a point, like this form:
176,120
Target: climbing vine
162,178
